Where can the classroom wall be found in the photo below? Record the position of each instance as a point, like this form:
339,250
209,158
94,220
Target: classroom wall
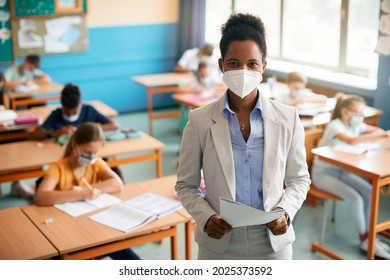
129,38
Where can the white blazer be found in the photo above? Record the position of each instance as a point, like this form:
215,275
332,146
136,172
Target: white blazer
206,144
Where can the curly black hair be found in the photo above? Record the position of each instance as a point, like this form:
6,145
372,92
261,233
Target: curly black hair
70,96
242,27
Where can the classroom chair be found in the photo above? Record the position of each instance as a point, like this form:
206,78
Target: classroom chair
312,139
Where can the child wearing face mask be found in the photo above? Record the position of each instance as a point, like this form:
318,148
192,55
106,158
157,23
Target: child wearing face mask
62,123
347,126
81,175
65,120
298,93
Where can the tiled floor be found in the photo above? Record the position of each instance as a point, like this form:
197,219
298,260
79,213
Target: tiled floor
342,238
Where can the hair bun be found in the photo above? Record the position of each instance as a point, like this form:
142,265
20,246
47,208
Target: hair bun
243,19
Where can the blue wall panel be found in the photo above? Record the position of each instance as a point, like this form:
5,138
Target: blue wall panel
115,54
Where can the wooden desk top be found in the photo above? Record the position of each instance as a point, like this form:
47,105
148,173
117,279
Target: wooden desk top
194,100
164,79
324,118
372,164
20,239
44,89
44,111
35,154
131,145
28,155
69,234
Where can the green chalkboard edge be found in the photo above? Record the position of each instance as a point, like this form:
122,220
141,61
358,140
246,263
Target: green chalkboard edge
52,15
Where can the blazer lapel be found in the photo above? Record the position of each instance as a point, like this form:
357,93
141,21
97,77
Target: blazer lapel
221,137
271,142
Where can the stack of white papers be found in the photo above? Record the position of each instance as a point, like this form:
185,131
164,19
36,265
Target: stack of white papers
357,149
7,115
77,208
237,214
134,213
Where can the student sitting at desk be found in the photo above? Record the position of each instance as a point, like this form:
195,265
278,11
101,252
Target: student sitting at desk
26,74
65,120
298,93
61,124
347,126
81,175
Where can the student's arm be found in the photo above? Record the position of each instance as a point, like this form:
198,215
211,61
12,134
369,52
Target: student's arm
372,133
109,182
47,195
42,80
181,69
10,85
110,125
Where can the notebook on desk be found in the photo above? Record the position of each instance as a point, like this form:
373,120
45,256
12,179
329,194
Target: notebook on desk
136,212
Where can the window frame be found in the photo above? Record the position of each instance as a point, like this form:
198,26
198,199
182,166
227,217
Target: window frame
342,58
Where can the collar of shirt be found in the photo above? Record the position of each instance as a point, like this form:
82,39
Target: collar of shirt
227,109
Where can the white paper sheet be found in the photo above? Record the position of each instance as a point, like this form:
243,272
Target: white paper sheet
237,214
357,149
123,217
77,208
155,204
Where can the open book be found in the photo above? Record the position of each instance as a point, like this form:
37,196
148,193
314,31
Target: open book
136,212
356,149
77,208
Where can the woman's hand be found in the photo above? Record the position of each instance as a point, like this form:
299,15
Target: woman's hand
278,226
216,227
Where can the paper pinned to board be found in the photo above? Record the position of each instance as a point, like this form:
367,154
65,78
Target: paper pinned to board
237,214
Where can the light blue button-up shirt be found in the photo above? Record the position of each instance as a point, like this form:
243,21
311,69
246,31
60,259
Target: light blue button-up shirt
248,156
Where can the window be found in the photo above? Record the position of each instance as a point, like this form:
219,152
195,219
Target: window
338,35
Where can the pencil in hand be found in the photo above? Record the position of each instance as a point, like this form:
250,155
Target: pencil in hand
86,183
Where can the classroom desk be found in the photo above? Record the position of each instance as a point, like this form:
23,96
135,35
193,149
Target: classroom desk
371,116
45,111
20,239
374,165
82,238
41,95
21,160
21,132
192,101
165,186
161,84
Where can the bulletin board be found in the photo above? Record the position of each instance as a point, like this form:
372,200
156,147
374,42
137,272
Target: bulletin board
6,53
55,35
42,27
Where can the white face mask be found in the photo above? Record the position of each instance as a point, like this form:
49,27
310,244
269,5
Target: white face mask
242,82
86,160
72,118
356,121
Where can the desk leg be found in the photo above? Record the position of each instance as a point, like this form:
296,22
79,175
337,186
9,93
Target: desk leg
174,245
159,163
150,110
373,218
189,228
